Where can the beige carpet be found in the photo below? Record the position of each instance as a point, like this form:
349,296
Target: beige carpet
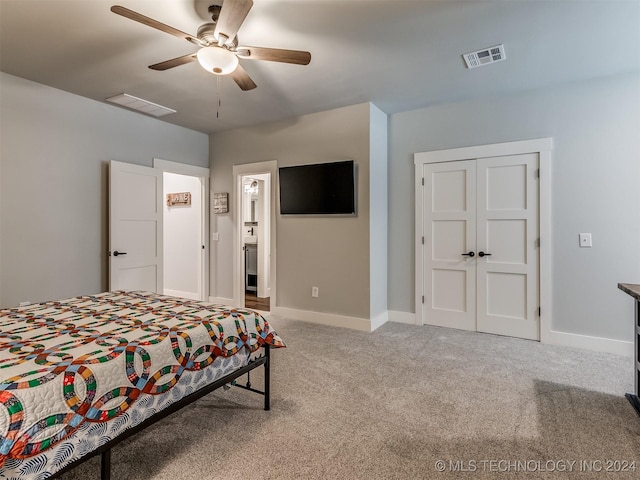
402,402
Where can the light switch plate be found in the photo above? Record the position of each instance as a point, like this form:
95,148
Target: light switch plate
585,239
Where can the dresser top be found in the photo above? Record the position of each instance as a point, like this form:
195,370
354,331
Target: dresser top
630,288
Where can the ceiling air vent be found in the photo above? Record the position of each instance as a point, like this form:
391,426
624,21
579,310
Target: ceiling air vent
485,56
140,105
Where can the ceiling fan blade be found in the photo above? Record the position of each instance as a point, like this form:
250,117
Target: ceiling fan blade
232,15
297,57
125,12
174,62
242,79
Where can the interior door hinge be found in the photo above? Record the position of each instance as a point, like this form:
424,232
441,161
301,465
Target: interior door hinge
423,240
423,181
539,310
422,298
537,175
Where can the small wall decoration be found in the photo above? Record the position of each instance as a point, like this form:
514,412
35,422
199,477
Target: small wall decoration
178,199
220,203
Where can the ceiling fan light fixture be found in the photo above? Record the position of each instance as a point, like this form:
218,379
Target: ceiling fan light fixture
217,60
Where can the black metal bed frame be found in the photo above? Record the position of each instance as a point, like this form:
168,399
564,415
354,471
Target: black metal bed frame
105,450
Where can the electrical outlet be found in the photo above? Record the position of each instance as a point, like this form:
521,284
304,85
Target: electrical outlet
314,292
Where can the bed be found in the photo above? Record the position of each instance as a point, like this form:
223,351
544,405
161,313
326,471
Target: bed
79,375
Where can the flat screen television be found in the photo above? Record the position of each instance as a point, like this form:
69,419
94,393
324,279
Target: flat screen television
318,189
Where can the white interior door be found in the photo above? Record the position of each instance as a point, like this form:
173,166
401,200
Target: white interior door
449,244
507,233
135,228
481,259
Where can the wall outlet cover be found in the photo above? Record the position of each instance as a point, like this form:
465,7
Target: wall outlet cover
585,240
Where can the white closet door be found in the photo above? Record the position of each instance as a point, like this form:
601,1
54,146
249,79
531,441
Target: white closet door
481,257
507,250
449,233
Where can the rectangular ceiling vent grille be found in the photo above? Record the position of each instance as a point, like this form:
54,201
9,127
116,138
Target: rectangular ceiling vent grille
485,56
140,105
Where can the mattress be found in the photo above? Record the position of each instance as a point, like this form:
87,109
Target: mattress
76,373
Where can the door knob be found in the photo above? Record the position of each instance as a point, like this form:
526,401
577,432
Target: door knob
470,254
116,253
482,254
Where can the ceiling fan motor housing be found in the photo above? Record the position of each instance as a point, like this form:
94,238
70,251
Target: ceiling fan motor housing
206,34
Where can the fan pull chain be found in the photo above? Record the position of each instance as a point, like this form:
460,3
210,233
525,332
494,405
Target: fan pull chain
218,101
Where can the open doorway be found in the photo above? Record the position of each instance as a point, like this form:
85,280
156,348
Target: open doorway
182,234
254,278
185,230
256,240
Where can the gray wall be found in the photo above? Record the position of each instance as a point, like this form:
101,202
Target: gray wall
595,176
54,155
55,147
331,253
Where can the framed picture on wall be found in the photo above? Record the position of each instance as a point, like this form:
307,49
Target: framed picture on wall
220,203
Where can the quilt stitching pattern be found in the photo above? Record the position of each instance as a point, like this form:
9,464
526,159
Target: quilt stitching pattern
64,344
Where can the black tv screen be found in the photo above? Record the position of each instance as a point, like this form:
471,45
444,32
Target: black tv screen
318,189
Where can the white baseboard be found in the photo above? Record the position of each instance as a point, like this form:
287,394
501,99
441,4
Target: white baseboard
362,324
574,340
402,317
379,320
597,344
222,301
178,293
564,339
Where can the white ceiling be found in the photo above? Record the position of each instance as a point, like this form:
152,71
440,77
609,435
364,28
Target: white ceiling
399,54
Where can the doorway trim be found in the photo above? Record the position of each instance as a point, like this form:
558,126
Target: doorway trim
541,146
203,174
268,167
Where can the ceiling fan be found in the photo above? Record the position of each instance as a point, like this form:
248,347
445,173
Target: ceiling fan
218,42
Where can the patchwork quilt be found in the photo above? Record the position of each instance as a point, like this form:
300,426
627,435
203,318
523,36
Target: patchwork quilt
76,373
